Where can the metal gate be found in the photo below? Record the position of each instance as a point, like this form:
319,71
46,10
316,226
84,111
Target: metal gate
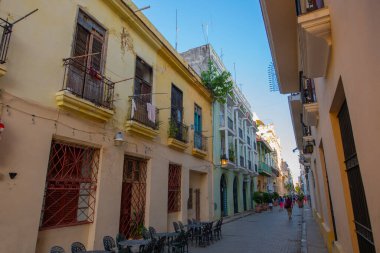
358,199
223,196
236,208
133,196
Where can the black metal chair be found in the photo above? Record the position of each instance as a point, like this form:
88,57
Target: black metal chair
152,232
119,238
178,245
176,227
160,245
109,243
146,234
149,248
77,247
181,226
57,249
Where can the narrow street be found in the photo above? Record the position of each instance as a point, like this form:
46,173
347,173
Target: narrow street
265,232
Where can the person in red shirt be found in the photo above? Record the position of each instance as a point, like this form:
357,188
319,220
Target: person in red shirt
289,206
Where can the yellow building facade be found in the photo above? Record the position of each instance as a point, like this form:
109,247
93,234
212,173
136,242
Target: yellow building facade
106,127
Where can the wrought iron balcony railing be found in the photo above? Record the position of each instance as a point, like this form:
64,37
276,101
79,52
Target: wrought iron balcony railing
306,6
178,130
306,130
308,91
5,38
200,141
264,168
138,111
88,83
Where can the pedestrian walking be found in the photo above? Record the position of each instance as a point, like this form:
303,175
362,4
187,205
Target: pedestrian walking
270,204
281,202
289,207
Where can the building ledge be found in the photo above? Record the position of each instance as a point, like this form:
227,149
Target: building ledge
137,128
199,153
70,102
176,144
315,42
310,114
3,70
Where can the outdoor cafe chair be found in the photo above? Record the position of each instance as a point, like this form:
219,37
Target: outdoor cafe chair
160,245
152,232
109,243
176,227
181,226
57,249
77,247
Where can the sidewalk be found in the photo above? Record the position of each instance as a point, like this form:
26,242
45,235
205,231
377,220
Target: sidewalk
312,241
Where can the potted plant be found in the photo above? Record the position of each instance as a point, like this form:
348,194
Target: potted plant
258,198
173,129
266,198
300,198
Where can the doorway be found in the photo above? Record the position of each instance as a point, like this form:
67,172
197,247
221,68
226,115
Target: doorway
223,196
235,186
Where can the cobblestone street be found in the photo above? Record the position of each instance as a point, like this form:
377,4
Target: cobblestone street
267,232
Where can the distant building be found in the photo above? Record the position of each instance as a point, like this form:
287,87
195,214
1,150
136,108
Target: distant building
234,132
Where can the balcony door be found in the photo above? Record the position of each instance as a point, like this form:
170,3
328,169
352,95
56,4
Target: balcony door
177,112
86,64
197,127
358,199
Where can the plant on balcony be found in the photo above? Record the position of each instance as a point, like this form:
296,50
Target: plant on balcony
173,129
231,155
220,84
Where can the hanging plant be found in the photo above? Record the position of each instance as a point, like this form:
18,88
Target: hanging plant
220,84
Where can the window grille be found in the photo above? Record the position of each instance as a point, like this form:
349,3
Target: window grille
70,185
132,210
174,188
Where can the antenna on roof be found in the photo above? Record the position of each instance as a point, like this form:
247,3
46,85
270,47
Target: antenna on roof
176,29
205,32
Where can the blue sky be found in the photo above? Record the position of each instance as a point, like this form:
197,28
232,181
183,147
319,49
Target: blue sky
237,29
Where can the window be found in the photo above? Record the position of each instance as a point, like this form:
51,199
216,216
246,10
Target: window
143,81
86,65
70,185
174,188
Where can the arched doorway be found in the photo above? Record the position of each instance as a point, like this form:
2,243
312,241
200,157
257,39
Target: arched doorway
236,208
223,196
245,196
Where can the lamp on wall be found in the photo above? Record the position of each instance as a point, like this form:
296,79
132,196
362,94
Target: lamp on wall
224,160
119,138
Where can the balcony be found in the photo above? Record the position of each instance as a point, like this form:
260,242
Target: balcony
86,92
275,171
6,28
140,121
178,135
309,101
200,145
265,169
315,37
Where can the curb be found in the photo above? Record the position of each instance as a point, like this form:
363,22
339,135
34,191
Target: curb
237,217
303,234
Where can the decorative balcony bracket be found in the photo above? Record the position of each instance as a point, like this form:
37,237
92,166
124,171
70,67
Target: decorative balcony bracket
315,42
